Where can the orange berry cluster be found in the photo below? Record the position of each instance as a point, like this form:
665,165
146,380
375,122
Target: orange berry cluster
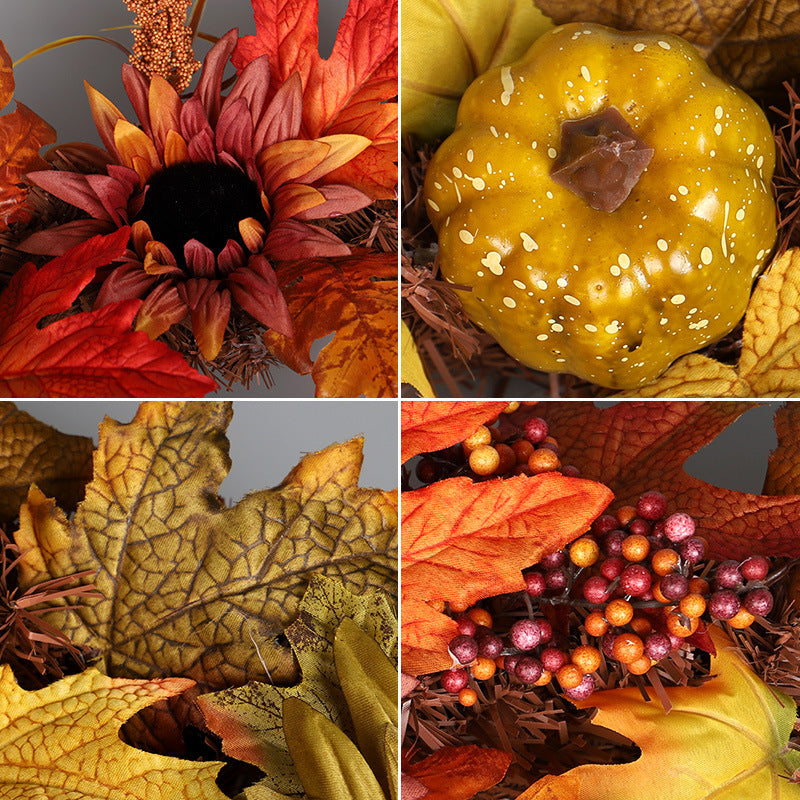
640,583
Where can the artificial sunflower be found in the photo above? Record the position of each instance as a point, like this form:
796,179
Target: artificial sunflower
214,188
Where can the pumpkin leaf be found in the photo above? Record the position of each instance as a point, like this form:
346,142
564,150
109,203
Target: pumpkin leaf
22,134
634,447
249,719
89,354
354,297
463,541
412,370
752,43
63,741
725,740
458,773
433,426
471,37
350,92
32,452
694,376
191,587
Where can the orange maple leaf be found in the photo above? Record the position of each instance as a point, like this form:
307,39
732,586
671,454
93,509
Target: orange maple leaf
634,447
350,92
354,297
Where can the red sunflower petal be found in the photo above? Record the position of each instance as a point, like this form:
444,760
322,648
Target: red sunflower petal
210,308
162,308
255,288
57,240
127,282
231,257
113,195
234,134
209,87
136,87
339,199
200,260
283,117
74,189
290,240
253,86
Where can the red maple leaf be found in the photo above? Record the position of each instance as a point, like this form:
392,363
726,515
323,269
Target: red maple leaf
89,354
350,92
457,773
637,446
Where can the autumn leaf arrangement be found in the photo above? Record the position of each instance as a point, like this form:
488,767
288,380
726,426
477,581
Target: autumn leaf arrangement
756,359
222,230
523,674
155,641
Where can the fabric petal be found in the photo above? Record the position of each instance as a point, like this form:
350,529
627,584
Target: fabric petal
234,134
165,109
252,85
162,309
136,150
255,288
344,147
209,87
252,233
291,240
285,162
294,198
57,240
136,88
199,259
284,116
176,150
210,308
113,195
231,257
339,199
105,115
72,188
127,282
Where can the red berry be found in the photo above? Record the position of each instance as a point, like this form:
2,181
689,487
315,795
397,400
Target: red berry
651,505
553,560
510,662
635,579
758,601
604,524
727,574
528,669
536,430
612,542
553,658
657,646
570,471
525,634
639,527
674,586
612,567
466,626
582,690
534,583
428,470
755,568
723,604
454,680
692,550
595,590
678,527
490,646
556,578
607,643
547,630
464,649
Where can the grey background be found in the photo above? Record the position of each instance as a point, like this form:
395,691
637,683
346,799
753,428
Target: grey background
52,83
267,438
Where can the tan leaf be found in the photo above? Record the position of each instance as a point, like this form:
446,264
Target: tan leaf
62,742
32,452
190,586
694,376
753,43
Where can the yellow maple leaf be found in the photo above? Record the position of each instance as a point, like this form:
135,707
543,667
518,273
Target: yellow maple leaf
62,742
191,587
725,740
694,376
412,370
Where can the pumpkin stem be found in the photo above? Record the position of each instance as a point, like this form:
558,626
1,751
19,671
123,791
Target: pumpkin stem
601,159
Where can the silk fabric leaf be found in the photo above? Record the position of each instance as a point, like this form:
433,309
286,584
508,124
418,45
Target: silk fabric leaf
32,452
192,587
63,742
355,298
725,740
783,468
634,447
463,541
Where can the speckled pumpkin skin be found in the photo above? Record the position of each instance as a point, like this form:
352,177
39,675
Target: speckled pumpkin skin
611,297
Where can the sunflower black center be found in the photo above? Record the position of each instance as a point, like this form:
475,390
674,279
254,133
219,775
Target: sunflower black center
199,201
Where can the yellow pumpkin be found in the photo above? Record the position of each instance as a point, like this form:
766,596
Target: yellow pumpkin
604,203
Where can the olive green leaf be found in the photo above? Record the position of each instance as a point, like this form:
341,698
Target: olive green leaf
32,452
346,646
191,587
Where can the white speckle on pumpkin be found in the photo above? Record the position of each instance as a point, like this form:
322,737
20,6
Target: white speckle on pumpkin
662,245
433,205
492,262
466,237
572,300
677,299
528,242
706,255
509,302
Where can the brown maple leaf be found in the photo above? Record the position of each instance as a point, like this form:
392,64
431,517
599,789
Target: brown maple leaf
355,298
752,43
634,447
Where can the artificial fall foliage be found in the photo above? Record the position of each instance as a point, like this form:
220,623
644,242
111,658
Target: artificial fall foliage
458,773
633,446
92,353
349,92
32,452
725,740
22,134
464,540
355,298
346,647
752,44
191,587
62,741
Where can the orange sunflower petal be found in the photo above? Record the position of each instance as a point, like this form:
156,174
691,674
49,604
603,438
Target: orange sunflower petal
162,308
284,162
344,147
294,198
252,233
105,114
176,151
136,150
210,308
164,105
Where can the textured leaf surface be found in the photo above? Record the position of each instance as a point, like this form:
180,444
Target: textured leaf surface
32,452
412,369
725,740
62,742
783,469
637,446
22,134
457,773
754,43
427,427
350,92
463,541
191,587
695,376
91,354
471,37
249,718
355,298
